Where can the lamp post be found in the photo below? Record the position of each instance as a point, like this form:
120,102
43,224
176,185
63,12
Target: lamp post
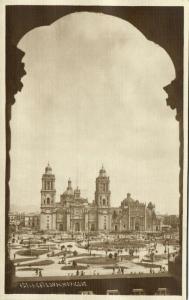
30,246
165,251
168,250
88,232
72,225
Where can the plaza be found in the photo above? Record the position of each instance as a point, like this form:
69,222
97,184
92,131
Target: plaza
37,255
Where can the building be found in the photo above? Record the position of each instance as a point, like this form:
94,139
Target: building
32,220
73,213
16,219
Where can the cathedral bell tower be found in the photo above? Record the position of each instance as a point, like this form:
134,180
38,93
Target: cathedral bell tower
102,201
102,193
48,192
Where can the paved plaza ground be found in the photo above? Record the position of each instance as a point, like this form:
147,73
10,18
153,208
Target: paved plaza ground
52,255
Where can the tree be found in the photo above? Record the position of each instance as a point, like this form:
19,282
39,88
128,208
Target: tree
131,252
74,264
152,256
172,220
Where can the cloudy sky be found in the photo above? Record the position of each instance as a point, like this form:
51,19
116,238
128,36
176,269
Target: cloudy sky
94,94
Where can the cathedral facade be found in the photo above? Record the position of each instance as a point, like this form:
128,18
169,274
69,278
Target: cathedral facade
73,213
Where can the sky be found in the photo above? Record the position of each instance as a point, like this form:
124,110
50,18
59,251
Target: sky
93,94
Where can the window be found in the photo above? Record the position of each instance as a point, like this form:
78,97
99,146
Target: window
105,222
104,201
48,201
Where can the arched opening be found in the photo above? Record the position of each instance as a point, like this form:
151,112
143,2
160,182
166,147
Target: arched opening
129,56
137,227
61,227
92,227
77,227
48,201
115,227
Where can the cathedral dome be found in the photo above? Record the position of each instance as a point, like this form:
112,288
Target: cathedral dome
69,191
128,200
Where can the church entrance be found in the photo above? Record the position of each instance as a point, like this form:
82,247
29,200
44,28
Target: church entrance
61,228
77,227
137,227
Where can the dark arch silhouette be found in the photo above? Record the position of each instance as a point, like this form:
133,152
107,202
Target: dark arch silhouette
163,25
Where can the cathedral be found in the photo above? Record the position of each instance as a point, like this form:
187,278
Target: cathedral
73,213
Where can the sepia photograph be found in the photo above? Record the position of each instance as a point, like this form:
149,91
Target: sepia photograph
96,148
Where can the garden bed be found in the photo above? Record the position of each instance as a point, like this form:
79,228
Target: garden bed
61,253
148,265
83,254
30,269
96,260
128,257
121,244
47,247
115,267
74,268
31,252
19,260
44,262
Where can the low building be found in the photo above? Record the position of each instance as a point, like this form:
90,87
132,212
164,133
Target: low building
32,220
16,218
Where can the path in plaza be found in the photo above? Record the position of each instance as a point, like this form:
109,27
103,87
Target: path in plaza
55,268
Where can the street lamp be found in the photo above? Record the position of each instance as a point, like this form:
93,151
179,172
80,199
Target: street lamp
165,251
168,250
88,234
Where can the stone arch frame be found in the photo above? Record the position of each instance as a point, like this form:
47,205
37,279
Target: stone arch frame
159,24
